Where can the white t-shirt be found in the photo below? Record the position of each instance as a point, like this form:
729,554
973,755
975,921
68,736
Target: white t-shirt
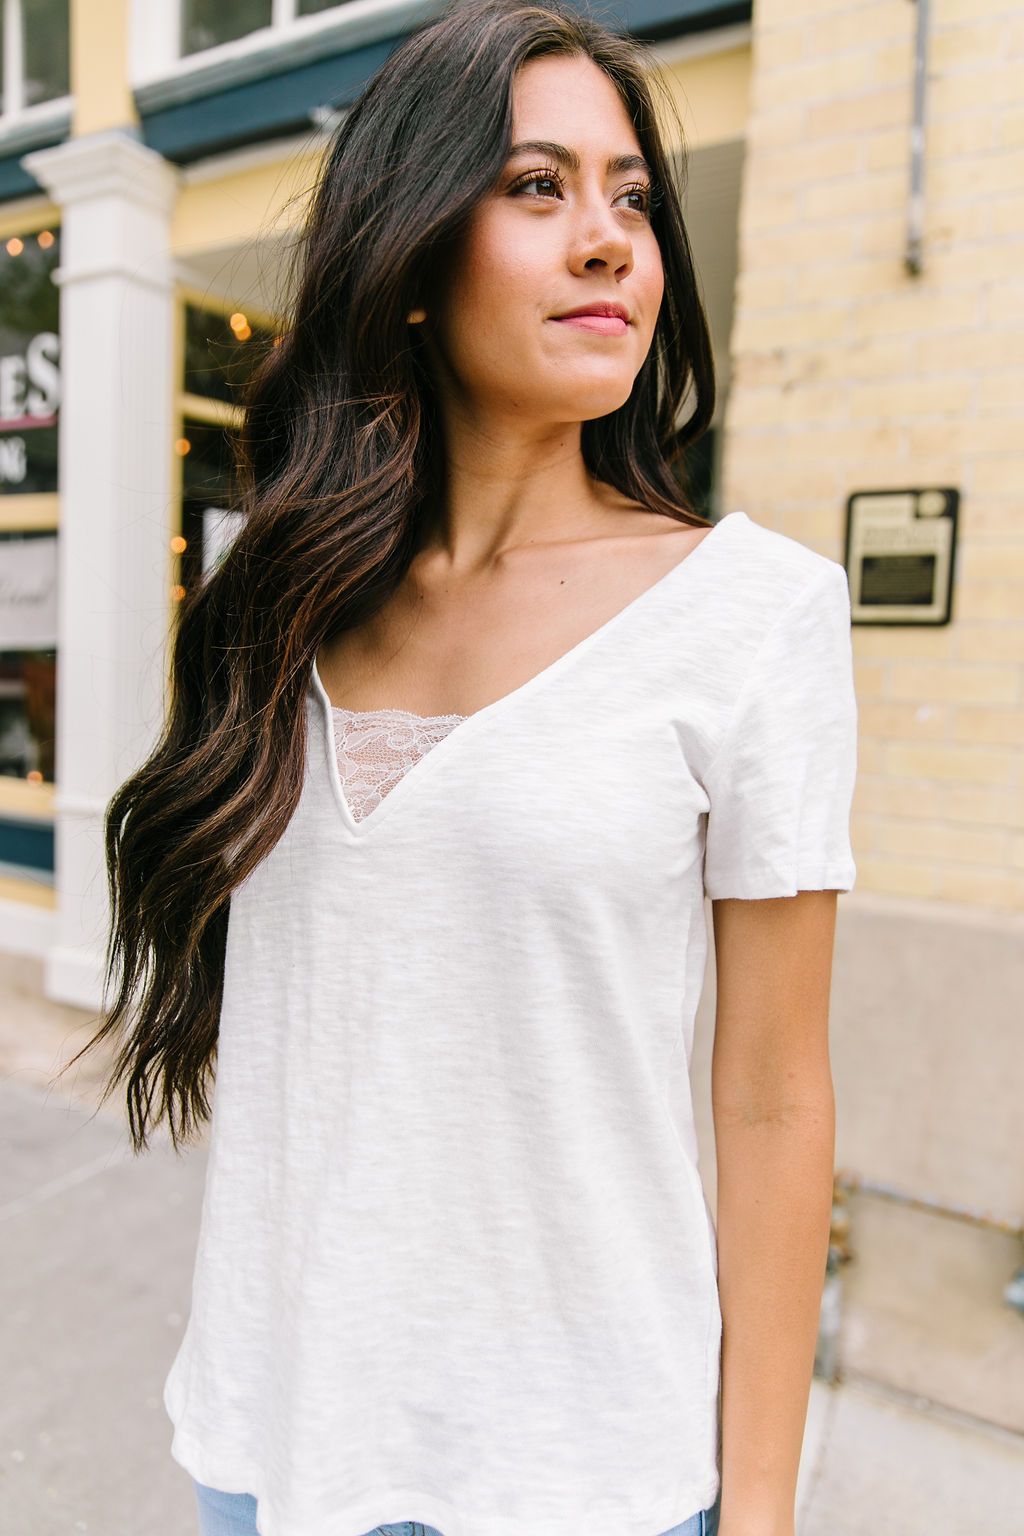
455,1262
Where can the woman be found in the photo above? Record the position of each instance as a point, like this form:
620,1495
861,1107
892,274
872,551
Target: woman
473,715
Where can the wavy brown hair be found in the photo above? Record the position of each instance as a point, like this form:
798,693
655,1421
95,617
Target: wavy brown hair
338,470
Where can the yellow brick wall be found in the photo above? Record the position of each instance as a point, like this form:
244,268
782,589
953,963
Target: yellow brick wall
849,373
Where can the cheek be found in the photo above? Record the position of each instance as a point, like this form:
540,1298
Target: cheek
649,277
497,260
494,304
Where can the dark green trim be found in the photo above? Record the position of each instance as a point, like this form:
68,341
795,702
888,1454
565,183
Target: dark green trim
656,20
28,844
262,109
15,181
278,105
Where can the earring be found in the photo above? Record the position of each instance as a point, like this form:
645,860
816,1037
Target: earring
416,315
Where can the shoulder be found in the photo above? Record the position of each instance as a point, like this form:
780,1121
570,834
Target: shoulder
769,569
772,599
769,582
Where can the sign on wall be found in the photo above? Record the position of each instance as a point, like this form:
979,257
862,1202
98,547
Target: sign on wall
28,593
220,527
900,546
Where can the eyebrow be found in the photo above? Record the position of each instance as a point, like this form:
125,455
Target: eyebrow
617,164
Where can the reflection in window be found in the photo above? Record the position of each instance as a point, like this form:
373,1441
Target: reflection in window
205,23
29,364
208,505
28,657
220,352
45,51
34,64
28,700
28,691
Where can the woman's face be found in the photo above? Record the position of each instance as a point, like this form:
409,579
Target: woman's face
552,236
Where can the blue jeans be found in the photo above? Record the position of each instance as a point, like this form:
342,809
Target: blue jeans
234,1514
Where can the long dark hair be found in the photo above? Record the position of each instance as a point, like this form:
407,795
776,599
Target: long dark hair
337,467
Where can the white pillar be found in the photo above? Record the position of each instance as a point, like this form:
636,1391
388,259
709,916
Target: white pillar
116,283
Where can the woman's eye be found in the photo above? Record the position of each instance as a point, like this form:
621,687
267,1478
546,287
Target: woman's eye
551,179
644,193
535,180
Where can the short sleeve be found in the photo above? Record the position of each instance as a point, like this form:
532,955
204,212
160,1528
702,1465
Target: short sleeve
781,782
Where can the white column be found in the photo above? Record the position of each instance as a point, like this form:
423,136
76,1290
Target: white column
114,444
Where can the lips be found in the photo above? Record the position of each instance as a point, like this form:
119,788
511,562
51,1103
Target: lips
598,307
600,318
599,325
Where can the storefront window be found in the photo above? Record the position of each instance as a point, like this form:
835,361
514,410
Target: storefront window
209,515
28,698
29,365
220,351
29,401
29,407
28,655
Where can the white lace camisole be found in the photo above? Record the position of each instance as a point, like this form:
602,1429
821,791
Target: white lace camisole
376,747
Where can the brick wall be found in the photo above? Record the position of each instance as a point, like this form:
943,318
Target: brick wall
850,373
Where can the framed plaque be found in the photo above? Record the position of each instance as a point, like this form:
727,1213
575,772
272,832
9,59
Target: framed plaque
900,547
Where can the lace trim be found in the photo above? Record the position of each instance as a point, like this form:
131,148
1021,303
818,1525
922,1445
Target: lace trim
377,747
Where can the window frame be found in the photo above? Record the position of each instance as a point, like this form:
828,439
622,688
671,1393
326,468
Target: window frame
154,32
15,114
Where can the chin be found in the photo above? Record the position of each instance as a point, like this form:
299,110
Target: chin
587,403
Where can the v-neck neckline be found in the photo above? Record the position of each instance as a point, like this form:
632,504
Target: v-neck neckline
475,721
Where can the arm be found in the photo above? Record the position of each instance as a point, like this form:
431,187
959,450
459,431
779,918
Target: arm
774,1116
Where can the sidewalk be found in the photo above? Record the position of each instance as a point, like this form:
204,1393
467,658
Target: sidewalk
95,1288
